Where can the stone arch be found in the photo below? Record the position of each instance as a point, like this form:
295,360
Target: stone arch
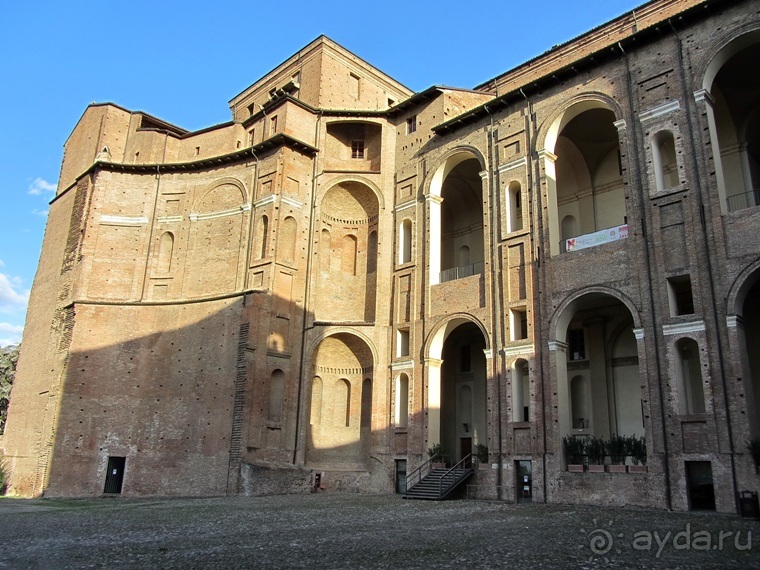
208,195
350,178
434,342
455,211
345,364
722,49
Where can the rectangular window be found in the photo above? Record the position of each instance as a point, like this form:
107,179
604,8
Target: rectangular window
411,124
272,125
250,137
680,296
354,86
518,323
402,343
357,149
577,344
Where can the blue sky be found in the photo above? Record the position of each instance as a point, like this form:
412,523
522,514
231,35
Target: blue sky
183,61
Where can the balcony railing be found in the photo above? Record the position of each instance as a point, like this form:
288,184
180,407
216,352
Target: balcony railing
460,272
742,201
593,239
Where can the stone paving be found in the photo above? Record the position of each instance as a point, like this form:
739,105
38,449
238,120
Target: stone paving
359,531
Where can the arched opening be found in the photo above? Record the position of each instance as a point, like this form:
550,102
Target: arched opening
348,274
456,218
584,177
748,328
342,400
405,242
691,398
287,239
402,401
514,204
600,388
276,395
457,391
665,162
520,391
734,120
165,252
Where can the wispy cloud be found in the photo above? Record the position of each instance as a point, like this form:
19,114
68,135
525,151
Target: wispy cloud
41,213
10,334
40,186
13,298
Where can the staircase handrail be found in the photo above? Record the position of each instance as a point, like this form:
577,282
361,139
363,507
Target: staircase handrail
464,465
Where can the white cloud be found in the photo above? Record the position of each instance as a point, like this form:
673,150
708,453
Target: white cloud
41,213
13,298
40,186
10,334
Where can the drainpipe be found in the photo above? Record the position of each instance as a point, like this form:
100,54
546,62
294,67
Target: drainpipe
708,257
494,186
307,291
250,224
536,289
650,278
152,226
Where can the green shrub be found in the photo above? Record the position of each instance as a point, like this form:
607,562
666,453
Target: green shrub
481,450
754,448
637,449
596,449
617,448
435,451
575,449
3,476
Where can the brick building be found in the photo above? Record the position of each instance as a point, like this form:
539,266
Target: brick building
348,273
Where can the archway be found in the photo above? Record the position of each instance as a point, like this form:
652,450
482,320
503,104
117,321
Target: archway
734,120
457,388
340,404
348,252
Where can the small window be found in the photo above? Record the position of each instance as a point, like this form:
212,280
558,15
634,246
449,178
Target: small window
250,137
197,151
391,102
250,109
576,344
402,340
411,124
273,125
518,324
680,297
357,149
354,86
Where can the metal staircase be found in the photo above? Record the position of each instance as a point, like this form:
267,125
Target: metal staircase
436,483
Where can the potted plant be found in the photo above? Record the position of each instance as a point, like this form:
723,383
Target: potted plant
436,454
617,448
481,452
575,449
754,448
637,449
596,449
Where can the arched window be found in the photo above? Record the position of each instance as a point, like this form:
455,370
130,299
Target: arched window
287,239
366,411
692,393
348,255
263,236
514,216
316,401
372,252
664,157
405,242
276,395
165,251
343,403
325,251
520,392
402,400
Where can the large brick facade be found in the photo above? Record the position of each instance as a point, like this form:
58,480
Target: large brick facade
348,273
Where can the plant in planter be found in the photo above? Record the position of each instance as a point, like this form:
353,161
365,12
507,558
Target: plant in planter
436,454
754,448
596,449
637,449
617,448
575,449
481,452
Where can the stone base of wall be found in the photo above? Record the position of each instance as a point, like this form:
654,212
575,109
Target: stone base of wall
257,480
606,489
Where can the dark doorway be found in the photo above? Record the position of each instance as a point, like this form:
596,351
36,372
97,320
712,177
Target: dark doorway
699,481
401,475
114,474
465,447
524,483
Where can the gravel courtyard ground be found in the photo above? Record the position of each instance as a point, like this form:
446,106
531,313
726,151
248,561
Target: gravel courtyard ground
356,531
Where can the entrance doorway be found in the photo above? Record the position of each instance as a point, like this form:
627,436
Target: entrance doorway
524,483
114,475
699,482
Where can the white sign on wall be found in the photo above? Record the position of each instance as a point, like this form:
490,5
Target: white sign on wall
597,238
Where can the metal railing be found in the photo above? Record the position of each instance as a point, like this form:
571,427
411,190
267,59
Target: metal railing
460,272
423,470
742,201
454,475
